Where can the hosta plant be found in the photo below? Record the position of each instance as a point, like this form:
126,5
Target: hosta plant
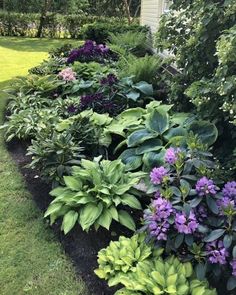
96,193
27,123
193,214
121,257
157,129
163,276
54,154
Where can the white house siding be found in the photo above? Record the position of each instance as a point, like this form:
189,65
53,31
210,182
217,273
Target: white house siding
151,10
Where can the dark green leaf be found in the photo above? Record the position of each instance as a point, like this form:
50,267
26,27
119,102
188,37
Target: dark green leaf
139,136
130,159
158,121
179,240
200,270
153,144
206,131
231,284
214,235
227,241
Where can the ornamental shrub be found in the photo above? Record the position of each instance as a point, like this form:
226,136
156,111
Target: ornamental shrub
201,36
192,215
100,32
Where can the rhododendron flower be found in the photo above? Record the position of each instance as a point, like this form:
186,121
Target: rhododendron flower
229,190
171,155
186,224
158,174
67,74
216,252
205,186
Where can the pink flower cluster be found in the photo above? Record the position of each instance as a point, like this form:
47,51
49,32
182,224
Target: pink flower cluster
67,75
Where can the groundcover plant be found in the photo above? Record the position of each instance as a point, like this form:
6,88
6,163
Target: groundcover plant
100,134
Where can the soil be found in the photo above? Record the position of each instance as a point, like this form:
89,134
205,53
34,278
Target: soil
80,246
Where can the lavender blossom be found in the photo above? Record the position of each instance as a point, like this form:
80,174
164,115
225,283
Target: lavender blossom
186,224
157,218
171,155
216,252
205,187
157,175
229,190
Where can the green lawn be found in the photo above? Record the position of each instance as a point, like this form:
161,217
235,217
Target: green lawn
31,260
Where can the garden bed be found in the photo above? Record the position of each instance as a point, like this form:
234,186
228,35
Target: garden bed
80,246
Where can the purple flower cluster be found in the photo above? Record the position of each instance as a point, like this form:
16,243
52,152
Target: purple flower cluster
205,187
228,201
186,224
89,50
171,155
89,99
229,190
233,264
157,218
158,174
110,80
216,252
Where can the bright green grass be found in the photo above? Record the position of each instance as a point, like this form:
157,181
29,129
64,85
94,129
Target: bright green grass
31,260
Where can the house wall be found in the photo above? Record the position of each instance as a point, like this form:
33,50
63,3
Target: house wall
151,11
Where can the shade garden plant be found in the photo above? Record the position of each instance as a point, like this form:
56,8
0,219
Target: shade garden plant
118,155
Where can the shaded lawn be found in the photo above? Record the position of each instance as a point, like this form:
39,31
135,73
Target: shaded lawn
31,260
20,54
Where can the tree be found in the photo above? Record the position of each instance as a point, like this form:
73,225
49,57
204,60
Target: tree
46,5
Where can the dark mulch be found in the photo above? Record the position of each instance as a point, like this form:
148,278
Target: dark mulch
80,246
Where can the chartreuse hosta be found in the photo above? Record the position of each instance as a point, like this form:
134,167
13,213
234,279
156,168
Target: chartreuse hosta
142,271
93,195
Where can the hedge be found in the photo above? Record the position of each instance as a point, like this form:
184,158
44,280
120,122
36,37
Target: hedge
56,25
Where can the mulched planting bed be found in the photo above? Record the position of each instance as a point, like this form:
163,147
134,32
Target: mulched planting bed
80,246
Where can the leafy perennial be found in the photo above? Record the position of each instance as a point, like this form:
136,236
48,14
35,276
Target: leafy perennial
93,193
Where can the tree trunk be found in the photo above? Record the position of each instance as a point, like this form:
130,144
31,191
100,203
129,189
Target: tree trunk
127,10
45,8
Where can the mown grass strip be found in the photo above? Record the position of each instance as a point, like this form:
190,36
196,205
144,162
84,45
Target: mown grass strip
31,260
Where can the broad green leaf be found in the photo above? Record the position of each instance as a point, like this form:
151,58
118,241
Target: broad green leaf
131,201
113,212
134,95
56,192
105,219
153,159
139,136
69,221
214,235
158,121
126,220
153,144
89,214
206,131
175,132
144,87
73,183
53,208
130,159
